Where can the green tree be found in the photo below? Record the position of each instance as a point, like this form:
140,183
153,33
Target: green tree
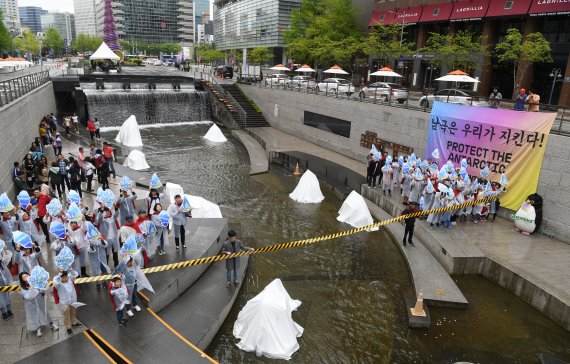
383,43
170,48
54,41
325,32
460,50
4,35
521,52
237,54
86,43
260,55
28,43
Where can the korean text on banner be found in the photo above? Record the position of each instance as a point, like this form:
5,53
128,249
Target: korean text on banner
506,141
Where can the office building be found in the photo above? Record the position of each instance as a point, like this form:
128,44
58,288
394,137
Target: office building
252,24
63,22
84,11
11,14
31,18
150,21
491,19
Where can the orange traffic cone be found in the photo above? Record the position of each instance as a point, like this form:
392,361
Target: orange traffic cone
418,309
297,171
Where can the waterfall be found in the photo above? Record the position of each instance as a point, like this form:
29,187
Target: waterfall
113,107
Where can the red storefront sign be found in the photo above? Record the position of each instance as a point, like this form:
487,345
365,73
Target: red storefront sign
508,8
469,10
549,7
408,15
436,12
381,17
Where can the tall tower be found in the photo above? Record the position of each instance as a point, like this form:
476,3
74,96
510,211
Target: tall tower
109,29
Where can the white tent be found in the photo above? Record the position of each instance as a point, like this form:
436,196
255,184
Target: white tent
129,134
308,189
136,160
214,134
355,212
265,325
104,52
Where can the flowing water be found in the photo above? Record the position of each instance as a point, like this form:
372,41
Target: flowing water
352,309
112,107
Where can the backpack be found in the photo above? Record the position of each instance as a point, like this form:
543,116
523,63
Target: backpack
99,162
56,295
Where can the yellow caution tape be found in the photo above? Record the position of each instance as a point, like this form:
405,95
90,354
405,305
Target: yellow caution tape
271,248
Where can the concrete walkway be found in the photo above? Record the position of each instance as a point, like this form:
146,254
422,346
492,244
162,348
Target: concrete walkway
257,156
535,268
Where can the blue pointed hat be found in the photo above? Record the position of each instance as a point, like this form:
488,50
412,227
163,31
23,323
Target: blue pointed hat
155,181
57,229
73,196
100,194
449,166
406,168
186,207
164,218
23,239
475,184
418,176
92,232
74,213
401,160
464,163
467,180
442,174
2,245
435,153
433,168
5,203
108,198
429,187
139,240
38,278
462,172
23,198
425,165
422,203
64,259
389,159
126,183
373,150
377,156
442,188
488,187
504,180
485,172
54,207
130,246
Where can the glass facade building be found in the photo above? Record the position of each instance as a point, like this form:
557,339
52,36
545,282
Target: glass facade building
63,22
30,17
85,17
252,23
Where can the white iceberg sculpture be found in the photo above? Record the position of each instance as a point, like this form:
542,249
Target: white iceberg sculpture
202,208
308,189
215,135
171,190
265,325
129,134
355,212
136,160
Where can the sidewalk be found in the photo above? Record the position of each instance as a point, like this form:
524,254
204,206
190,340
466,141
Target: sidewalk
535,267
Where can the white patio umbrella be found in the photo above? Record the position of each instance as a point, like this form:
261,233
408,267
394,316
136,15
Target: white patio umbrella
305,69
457,76
386,72
336,70
279,67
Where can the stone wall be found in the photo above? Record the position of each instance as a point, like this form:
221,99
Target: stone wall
19,122
405,127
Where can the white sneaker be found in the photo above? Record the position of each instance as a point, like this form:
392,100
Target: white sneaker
39,333
137,308
54,327
130,313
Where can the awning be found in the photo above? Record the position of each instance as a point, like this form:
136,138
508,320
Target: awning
408,15
549,7
436,12
469,10
381,17
508,8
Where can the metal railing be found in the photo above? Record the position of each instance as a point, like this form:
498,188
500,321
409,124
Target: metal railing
15,88
383,96
241,114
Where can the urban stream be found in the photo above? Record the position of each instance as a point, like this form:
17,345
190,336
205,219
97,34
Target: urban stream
352,309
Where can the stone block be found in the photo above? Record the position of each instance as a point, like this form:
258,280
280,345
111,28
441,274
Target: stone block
550,178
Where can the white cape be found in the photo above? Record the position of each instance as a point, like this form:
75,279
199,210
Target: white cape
265,325
355,212
308,189
136,160
129,134
215,135
202,208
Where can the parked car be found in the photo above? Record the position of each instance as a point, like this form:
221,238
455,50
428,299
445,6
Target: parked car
278,79
157,62
335,86
227,71
454,96
385,91
303,82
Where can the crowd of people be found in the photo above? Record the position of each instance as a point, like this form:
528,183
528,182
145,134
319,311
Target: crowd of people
432,184
521,99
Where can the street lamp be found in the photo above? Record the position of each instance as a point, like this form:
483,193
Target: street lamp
41,40
556,73
431,68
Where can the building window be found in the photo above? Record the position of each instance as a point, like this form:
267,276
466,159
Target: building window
436,12
509,5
